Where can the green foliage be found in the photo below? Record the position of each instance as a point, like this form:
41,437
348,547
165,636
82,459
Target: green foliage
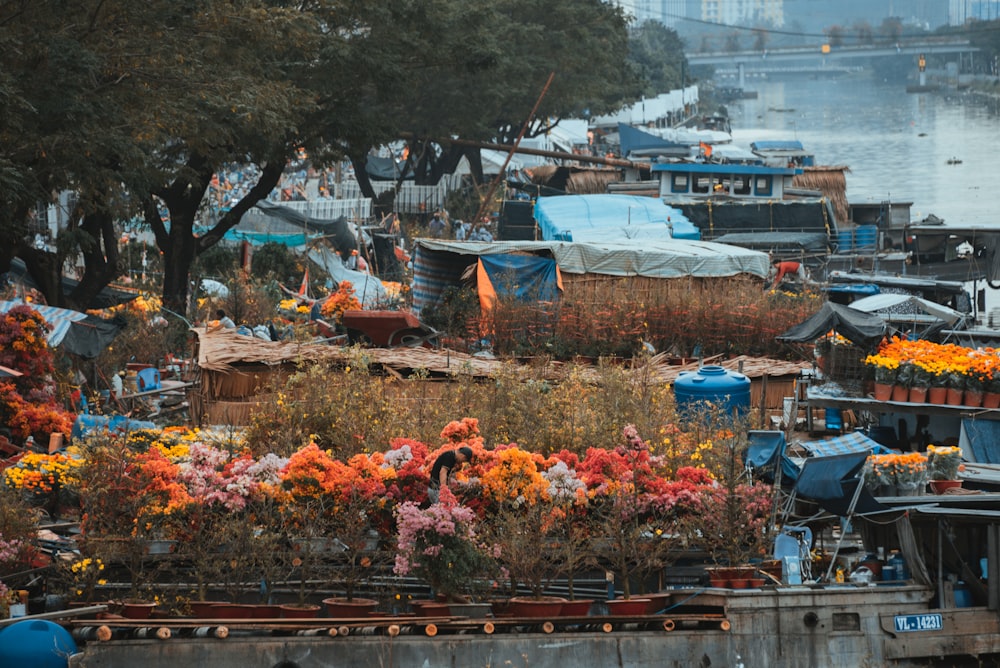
350,410
274,260
658,54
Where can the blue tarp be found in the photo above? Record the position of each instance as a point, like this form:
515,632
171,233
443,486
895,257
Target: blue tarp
524,276
608,218
833,481
980,439
764,450
842,445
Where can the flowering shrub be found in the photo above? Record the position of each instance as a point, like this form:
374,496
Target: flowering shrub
943,461
38,473
342,300
941,363
438,544
23,347
894,469
26,417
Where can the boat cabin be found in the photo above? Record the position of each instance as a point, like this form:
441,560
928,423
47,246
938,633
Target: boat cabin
695,180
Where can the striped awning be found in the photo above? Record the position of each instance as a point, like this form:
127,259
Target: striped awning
58,319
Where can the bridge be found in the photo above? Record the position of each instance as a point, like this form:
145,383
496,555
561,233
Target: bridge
824,58
828,53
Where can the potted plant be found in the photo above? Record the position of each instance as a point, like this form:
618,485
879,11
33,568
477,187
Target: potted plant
991,395
884,370
943,464
439,545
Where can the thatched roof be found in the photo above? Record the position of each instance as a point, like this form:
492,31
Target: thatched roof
220,350
831,180
573,179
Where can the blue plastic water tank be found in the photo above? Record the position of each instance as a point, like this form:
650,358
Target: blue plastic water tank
37,643
845,241
865,237
713,385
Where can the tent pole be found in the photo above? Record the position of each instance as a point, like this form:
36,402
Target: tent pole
850,513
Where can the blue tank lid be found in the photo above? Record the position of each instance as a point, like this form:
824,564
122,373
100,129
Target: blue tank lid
38,643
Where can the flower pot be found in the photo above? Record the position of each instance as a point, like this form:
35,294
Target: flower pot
910,488
578,608
739,583
137,609
657,602
937,395
973,398
942,486
627,606
547,606
954,397
501,608
299,610
900,393
718,583
265,611
918,395
991,399
756,583
882,391
204,609
430,608
342,608
470,610
232,611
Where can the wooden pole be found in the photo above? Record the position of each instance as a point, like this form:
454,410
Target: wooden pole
524,128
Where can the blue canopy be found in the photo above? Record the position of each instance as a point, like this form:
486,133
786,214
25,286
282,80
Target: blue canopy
608,218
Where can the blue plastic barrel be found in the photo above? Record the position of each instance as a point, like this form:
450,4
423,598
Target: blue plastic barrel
37,643
845,241
712,386
865,237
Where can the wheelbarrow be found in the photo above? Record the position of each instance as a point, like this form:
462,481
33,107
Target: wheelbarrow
388,329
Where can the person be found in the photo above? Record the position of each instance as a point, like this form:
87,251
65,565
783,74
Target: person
224,319
437,225
461,230
788,268
446,464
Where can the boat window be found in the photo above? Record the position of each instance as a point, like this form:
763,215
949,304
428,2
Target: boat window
679,183
702,184
763,185
741,185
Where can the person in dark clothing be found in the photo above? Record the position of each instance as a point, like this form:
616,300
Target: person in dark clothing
446,464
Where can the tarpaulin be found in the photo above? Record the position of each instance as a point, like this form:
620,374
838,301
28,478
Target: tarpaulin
859,327
75,332
525,277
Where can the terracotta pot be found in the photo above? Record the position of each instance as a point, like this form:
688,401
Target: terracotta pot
973,398
991,400
937,395
739,583
501,608
470,610
756,583
430,608
547,606
299,610
918,395
204,609
657,602
719,583
882,391
341,608
942,486
578,608
232,611
137,609
954,397
900,393
628,606
265,611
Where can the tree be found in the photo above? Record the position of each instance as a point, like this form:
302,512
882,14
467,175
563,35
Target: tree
657,53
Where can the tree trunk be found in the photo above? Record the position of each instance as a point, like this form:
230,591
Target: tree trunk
180,246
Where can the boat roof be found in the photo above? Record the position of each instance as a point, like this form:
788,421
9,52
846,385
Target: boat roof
723,168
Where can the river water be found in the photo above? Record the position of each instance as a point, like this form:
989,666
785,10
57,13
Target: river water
898,145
